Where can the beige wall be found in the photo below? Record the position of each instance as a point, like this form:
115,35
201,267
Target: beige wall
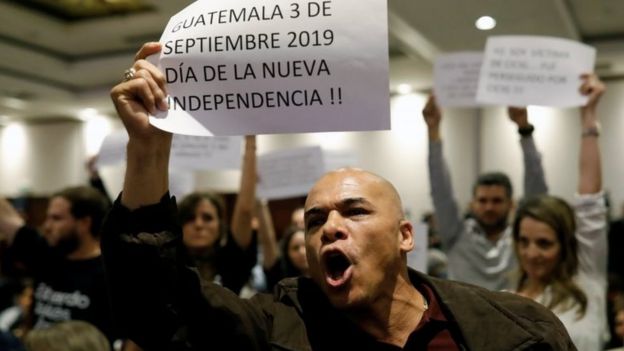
47,157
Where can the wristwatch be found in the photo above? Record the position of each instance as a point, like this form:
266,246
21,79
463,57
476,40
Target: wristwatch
591,131
526,131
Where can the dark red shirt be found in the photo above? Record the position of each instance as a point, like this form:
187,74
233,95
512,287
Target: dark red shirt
434,329
434,332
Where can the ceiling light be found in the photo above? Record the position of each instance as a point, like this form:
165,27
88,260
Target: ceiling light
404,89
87,113
485,23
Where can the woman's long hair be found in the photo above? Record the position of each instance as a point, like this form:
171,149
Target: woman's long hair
288,267
557,214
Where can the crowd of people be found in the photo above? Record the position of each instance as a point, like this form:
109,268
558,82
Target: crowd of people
148,272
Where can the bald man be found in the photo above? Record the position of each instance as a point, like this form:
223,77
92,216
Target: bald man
360,296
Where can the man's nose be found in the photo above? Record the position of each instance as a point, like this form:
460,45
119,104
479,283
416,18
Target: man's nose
47,226
334,228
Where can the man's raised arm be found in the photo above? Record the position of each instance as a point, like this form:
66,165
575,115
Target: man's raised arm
444,202
147,175
534,178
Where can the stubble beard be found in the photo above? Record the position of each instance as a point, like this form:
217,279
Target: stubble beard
67,244
497,226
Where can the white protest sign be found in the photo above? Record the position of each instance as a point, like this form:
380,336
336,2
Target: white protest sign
188,153
181,183
533,70
289,173
417,258
113,149
456,77
240,67
202,153
339,159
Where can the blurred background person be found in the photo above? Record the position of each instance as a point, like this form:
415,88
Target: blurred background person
562,249
283,260
65,260
480,248
223,252
67,336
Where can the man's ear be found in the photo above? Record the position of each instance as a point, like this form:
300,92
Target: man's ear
406,231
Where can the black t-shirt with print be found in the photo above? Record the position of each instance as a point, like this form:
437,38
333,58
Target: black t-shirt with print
63,289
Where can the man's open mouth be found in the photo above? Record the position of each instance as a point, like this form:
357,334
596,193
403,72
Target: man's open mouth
337,268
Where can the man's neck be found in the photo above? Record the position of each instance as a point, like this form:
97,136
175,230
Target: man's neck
89,248
493,233
393,318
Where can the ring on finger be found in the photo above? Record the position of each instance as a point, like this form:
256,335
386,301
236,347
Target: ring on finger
129,74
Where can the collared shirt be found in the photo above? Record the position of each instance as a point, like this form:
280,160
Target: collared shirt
435,331
472,258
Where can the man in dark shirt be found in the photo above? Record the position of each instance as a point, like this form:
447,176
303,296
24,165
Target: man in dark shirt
360,296
65,261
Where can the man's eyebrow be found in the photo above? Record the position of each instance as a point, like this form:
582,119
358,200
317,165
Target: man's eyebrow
352,201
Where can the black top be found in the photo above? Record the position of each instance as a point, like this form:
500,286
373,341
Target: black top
233,264
64,289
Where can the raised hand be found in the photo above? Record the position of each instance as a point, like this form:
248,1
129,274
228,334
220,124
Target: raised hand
594,88
519,116
142,92
432,116
10,220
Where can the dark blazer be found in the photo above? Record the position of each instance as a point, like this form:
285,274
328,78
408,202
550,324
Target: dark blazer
161,303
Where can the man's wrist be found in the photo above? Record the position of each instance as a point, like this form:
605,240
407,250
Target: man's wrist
434,134
526,131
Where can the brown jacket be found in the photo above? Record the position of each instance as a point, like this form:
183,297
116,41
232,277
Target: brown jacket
161,304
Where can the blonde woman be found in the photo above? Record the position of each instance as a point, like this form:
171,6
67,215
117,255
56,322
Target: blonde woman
562,249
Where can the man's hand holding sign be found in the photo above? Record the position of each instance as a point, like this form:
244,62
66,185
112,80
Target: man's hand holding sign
142,94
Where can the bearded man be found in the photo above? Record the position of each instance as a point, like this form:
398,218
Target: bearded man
65,259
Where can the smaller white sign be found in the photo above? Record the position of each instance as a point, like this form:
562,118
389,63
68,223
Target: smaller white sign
334,160
181,183
205,153
289,173
533,70
456,77
188,153
417,258
113,149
